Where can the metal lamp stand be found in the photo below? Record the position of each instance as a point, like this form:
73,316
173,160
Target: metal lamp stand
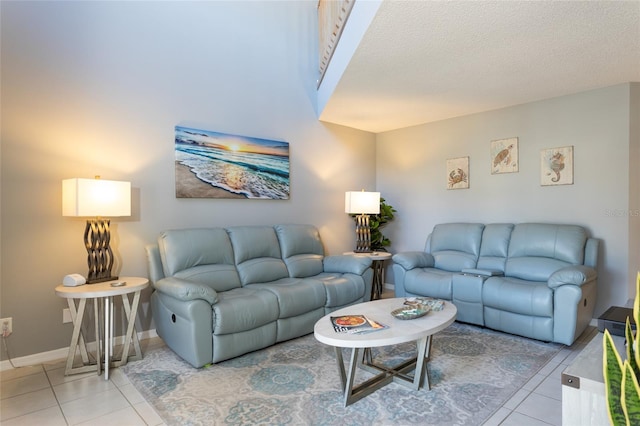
99,254
363,234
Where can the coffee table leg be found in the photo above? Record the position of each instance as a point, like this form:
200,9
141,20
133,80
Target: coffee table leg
421,374
348,389
340,361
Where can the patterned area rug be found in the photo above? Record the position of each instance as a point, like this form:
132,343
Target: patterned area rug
473,372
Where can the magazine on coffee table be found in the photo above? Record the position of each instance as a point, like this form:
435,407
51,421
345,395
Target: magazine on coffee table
355,324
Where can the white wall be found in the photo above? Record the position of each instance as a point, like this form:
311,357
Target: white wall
96,88
411,175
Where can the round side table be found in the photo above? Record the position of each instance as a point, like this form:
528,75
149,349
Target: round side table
95,292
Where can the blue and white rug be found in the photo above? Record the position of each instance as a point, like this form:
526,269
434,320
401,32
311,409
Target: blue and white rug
473,372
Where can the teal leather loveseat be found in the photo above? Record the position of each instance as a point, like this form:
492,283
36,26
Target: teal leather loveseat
223,292
531,279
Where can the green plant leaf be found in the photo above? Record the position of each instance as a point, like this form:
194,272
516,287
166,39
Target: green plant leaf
630,395
376,222
613,376
632,347
636,319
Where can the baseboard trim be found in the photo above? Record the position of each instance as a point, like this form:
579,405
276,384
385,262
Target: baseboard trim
58,354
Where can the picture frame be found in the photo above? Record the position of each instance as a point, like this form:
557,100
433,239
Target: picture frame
556,166
211,164
458,173
504,156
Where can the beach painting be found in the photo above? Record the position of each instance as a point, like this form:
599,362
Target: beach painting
219,165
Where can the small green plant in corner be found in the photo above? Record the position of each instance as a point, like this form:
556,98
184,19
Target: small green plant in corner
621,378
376,221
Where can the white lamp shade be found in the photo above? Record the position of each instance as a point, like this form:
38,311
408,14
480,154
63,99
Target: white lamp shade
361,202
96,197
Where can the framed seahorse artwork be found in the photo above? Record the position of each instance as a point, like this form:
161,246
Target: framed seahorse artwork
556,166
504,156
458,173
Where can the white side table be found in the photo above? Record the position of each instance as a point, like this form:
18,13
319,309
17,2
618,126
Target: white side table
378,258
95,292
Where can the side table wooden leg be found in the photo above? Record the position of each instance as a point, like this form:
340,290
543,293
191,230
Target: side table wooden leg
97,333
378,279
130,335
78,340
74,318
107,335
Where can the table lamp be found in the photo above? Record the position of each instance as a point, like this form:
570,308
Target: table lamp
97,198
362,204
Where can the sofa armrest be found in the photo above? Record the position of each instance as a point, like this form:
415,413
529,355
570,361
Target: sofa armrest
186,290
346,264
574,275
414,259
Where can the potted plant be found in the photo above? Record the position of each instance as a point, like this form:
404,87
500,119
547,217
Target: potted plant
376,221
621,378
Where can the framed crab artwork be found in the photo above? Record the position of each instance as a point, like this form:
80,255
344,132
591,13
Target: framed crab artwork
504,156
458,173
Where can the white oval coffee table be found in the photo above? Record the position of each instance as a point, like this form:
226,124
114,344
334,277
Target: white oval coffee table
417,330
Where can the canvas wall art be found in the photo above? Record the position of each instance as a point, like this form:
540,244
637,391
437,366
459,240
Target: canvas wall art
210,164
504,156
458,173
556,166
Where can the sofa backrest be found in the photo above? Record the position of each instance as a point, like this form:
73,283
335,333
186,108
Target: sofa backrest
537,250
257,254
301,249
201,255
495,246
455,246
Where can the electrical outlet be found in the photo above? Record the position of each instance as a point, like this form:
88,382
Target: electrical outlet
6,326
66,315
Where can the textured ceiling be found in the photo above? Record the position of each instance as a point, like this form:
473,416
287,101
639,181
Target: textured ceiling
423,61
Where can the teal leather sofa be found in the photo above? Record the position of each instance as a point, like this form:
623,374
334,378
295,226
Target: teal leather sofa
531,279
223,292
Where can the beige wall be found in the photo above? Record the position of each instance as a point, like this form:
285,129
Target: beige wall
603,198
96,88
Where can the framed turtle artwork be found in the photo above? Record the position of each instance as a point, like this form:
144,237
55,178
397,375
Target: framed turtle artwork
458,173
504,156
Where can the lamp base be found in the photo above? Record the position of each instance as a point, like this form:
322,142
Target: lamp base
101,280
99,255
363,234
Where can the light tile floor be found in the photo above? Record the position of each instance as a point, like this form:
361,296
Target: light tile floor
42,395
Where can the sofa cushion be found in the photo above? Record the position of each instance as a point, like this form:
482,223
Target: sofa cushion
342,289
518,296
257,254
243,309
295,296
537,250
203,256
455,246
218,277
495,246
301,248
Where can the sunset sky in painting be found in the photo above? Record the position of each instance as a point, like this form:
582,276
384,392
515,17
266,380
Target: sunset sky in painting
231,142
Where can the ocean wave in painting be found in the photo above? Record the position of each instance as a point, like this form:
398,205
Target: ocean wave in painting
255,168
